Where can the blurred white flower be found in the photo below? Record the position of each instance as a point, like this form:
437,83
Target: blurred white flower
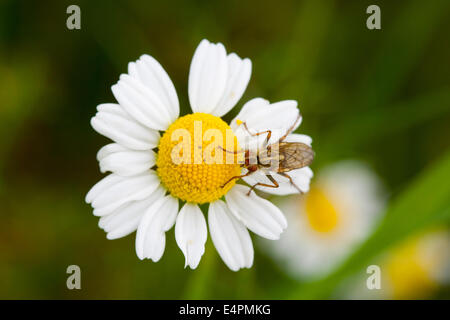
417,267
413,269
326,224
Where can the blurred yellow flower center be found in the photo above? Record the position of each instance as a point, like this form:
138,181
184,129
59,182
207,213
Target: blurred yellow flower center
191,162
321,213
408,273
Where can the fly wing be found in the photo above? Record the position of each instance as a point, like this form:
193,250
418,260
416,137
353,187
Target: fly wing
294,155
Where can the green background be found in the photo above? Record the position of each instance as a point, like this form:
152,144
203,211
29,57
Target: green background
381,96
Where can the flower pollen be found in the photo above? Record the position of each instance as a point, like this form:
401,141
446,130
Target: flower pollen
191,162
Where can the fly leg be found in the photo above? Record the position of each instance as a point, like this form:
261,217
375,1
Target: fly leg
275,184
237,177
228,151
269,133
291,128
290,180
241,162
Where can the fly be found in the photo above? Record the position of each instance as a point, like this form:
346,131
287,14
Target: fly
286,156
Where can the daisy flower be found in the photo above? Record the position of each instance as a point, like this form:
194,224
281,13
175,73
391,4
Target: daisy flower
413,269
417,267
325,225
148,190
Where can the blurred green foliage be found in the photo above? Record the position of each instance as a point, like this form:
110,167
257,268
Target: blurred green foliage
380,96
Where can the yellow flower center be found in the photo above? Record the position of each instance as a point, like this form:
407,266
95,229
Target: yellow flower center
192,163
408,273
322,215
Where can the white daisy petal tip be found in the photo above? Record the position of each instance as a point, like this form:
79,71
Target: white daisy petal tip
257,214
191,234
150,236
131,68
114,191
215,82
296,137
239,72
203,42
230,237
111,236
123,161
111,121
141,102
153,76
125,220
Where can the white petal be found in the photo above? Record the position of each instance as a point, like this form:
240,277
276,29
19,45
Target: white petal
261,116
125,219
239,71
113,191
109,149
250,108
301,177
258,214
303,138
123,161
150,236
154,77
102,185
195,72
142,103
190,234
207,76
114,123
230,237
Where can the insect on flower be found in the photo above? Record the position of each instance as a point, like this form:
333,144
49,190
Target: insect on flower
146,185
280,157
